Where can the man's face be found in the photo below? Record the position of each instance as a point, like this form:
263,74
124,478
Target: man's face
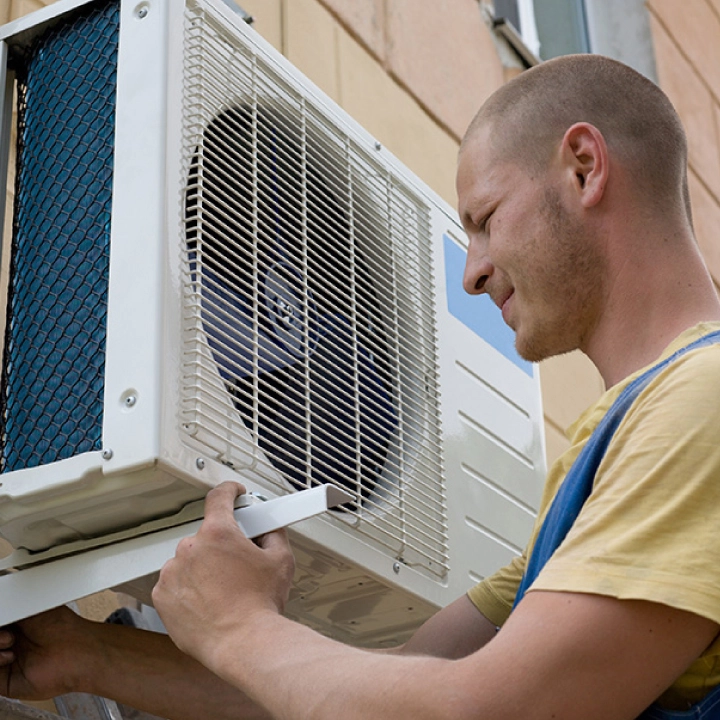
527,251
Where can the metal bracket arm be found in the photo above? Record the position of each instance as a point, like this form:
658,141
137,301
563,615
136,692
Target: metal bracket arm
35,588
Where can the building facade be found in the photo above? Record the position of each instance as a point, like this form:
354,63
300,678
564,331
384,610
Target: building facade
413,73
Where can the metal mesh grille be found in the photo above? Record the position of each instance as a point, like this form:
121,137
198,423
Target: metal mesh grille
55,342
309,328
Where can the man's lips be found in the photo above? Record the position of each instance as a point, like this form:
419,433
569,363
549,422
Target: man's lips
503,303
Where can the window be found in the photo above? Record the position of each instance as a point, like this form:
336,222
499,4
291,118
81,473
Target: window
617,28
561,27
521,15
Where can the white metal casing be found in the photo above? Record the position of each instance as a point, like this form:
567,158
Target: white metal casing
349,583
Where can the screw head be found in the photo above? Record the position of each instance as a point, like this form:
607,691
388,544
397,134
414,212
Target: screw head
107,454
396,568
199,463
378,145
130,400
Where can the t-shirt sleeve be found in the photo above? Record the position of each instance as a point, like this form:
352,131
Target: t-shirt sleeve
649,529
494,596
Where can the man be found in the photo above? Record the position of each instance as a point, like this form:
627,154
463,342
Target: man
573,192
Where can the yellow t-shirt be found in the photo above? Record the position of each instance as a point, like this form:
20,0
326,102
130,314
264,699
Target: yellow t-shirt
650,529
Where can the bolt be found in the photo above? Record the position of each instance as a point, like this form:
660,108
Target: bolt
107,454
130,400
396,568
199,463
142,12
378,145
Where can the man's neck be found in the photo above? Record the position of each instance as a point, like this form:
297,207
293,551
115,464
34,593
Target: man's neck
645,311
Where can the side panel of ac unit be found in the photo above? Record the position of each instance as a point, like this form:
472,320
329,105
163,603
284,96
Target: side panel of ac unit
280,305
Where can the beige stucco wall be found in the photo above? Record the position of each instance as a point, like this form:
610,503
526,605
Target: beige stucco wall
687,49
413,72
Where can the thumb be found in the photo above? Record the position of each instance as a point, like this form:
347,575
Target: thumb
276,541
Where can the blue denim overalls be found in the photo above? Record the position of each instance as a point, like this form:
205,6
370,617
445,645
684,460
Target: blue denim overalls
576,488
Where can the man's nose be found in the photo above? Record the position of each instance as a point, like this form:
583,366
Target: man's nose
478,269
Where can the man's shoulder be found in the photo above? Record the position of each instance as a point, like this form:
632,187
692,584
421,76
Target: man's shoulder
693,369
683,395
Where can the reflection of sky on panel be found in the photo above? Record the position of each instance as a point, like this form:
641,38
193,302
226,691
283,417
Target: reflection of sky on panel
478,312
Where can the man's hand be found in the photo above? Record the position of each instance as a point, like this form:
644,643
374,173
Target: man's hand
219,580
37,655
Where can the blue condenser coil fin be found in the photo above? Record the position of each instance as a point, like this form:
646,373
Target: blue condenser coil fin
53,368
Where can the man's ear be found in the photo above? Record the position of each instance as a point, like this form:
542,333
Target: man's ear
585,155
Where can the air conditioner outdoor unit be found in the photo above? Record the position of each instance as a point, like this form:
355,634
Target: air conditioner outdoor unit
214,273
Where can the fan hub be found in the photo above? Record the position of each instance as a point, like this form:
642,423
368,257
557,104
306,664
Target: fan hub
287,307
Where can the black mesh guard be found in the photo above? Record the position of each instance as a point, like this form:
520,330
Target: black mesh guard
53,370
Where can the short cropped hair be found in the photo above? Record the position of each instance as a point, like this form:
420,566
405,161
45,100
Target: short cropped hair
529,116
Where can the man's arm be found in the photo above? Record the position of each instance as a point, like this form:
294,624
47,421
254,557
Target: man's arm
58,652
561,655
454,632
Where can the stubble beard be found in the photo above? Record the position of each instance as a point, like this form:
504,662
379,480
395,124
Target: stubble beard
565,288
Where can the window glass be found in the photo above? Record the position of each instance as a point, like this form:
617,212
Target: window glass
520,14
561,27
508,9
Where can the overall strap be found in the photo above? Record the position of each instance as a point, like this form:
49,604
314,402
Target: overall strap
578,482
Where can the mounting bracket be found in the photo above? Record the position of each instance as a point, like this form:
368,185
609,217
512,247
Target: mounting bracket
33,582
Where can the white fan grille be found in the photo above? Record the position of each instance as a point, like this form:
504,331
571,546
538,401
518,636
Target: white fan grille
309,345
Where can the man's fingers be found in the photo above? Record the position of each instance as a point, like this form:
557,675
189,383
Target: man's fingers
220,501
7,657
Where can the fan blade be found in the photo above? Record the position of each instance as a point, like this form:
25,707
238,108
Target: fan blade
232,336
353,418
